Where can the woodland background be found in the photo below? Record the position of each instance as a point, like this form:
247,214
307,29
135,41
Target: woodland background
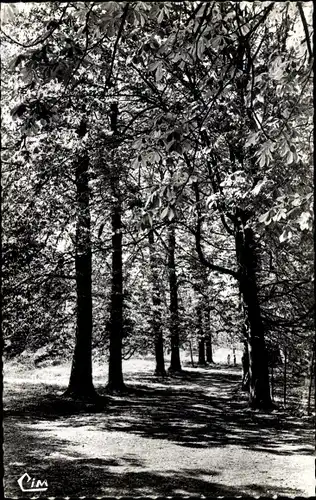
157,194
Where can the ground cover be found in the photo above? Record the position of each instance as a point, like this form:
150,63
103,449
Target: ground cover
186,435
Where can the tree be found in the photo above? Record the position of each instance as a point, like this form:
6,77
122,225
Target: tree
156,310
192,132
36,115
175,364
81,383
115,381
209,340
202,360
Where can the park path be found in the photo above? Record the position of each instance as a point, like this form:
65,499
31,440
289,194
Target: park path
189,435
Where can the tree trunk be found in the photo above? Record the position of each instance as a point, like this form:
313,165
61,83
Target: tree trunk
259,388
175,365
115,381
209,350
245,367
191,354
80,383
202,360
208,337
201,344
311,379
156,320
284,376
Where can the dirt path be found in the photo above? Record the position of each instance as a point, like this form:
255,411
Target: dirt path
190,435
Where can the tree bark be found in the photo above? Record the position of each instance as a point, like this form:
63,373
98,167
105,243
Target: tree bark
272,383
208,337
156,320
209,350
191,354
202,360
115,381
175,364
259,388
285,376
201,344
311,379
245,366
81,383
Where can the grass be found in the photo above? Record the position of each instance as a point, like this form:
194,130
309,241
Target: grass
187,435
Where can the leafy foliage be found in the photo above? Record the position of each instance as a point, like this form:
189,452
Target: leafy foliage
202,114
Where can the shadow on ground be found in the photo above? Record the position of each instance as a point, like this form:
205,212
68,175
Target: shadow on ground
199,409
70,474
195,409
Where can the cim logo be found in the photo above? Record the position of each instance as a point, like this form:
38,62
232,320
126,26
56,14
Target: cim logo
27,483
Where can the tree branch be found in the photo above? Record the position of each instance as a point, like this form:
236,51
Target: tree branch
198,244
38,39
304,22
124,15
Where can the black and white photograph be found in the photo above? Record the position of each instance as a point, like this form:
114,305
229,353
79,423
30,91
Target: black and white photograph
157,299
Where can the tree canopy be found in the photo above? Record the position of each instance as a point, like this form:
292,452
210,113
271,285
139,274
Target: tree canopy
157,181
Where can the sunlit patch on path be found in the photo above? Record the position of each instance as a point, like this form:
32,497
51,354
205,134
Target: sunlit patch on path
185,435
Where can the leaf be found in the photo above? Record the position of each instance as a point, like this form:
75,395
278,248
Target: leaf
297,201
150,219
153,66
158,74
286,235
256,190
210,200
142,19
281,214
265,218
7,13
200,47
177,148
252,139
164,213
262,161
245,29
277,69
137,144
161,15
135,162
289,158
260,98
146,221
152,200
305,221
171,214
156,157
230,15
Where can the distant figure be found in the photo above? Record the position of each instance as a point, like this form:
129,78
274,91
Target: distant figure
228,359
234,359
